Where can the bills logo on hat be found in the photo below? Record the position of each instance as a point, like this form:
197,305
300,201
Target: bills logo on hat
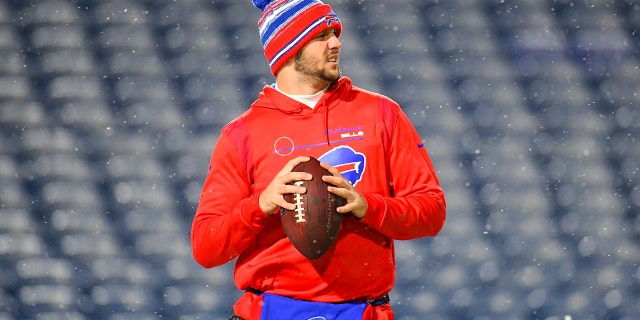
350,163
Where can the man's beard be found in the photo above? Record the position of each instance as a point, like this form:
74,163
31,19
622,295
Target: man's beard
303,66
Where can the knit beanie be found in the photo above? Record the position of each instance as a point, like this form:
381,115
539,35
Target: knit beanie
287,25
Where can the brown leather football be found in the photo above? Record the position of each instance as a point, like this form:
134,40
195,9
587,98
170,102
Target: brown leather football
313,226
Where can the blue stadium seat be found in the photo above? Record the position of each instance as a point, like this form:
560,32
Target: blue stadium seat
60,166
123,167
66,62
67,221
57,37
70,194
75,87
116,37
128,315
142,193
192,167
15,87
156,116
176,144
122,62
179,271
42,140
133,88
151,221
16,221
8,169
85,247
175,15
9,38
5,13
119,13
60,315
195,298
162,247
14,61
85,117
618,90
45,298
213,113
517,14
20,245
123,270
239,14
50,12
44,271
196,39
117,140
110,299
14,196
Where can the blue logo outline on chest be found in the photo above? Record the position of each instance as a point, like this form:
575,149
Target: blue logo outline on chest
350,163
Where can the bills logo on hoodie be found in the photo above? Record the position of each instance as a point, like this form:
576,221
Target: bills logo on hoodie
350,163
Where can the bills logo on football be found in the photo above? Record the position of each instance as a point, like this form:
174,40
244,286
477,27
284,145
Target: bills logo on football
300,216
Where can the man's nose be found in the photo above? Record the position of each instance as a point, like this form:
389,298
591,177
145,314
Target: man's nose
334,42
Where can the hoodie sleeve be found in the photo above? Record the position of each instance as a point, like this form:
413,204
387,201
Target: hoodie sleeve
417,205
228,215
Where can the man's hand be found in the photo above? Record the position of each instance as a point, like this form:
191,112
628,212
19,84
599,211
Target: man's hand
272,198
356,203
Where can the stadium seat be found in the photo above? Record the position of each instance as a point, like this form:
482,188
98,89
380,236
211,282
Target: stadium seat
118,13
149,221
15,87
194,299
9,38
133,315
156,116
13,61
85,117
110,299
162,247
123,270
48,37
84,247
59,166
60,315
14,196
5,13
70,194
66,62
67,221
44,271
45,298
123,167
8,169
124,61
75,87
146,193
50,12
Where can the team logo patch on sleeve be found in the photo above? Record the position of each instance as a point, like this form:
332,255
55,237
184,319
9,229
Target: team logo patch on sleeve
350,163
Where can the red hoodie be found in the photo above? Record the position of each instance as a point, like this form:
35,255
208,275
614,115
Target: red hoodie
372,142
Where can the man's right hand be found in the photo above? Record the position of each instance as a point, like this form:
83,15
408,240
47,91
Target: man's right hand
272,197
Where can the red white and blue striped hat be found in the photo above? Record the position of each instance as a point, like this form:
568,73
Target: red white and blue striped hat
287,25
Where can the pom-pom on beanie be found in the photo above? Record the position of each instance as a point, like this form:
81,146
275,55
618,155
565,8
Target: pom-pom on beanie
285,26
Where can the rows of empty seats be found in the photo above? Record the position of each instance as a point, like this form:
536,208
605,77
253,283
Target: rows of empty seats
109,110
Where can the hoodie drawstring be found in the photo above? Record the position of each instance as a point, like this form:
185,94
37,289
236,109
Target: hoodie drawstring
326,123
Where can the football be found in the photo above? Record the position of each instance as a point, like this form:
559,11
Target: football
313,226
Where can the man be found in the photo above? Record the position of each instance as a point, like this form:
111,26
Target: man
385,175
